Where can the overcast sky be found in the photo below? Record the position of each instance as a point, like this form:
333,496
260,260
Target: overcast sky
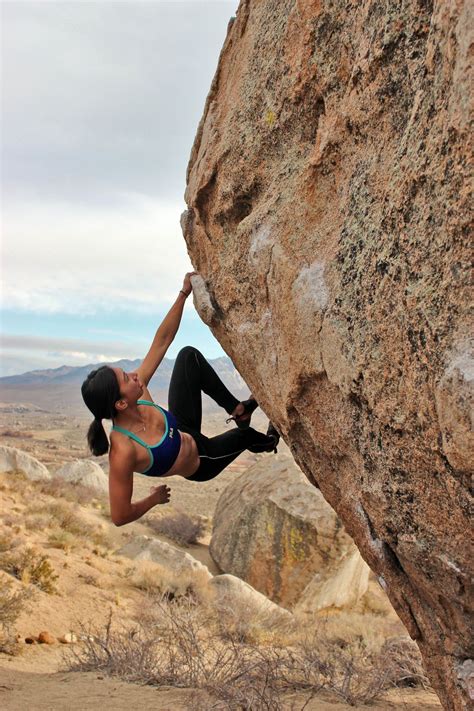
100,105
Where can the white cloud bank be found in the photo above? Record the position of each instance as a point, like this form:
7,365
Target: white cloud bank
24,353
70,259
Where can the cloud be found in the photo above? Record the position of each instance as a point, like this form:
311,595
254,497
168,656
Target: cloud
62,258
100,106
99,96
76,351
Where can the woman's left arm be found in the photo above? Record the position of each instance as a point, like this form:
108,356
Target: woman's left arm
165,333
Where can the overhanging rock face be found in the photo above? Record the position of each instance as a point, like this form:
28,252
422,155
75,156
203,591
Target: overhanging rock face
327,214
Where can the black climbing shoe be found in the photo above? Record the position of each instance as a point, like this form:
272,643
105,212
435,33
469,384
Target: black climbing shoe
272,432
243,420
274,438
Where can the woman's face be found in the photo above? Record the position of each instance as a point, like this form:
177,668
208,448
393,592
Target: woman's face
130,386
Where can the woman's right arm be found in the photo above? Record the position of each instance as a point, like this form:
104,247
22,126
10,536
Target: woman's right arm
122,510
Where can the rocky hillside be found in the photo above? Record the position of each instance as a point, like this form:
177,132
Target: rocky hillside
328,215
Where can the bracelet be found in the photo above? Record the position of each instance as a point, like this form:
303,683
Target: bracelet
183,292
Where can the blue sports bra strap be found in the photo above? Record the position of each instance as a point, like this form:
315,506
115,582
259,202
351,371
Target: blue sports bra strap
131,435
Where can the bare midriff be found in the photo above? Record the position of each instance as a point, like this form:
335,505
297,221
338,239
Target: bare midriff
187,461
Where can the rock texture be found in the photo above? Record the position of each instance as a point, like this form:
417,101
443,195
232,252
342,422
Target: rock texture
338,587
14,460
273,530
328,201
85,472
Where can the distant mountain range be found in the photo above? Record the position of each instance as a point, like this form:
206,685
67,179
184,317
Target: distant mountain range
55,388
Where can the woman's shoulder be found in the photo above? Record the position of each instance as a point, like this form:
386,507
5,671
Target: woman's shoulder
120,445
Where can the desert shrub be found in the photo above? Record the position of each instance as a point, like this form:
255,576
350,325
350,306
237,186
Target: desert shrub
65,516
37,522
30,567
12,604
7,543
239,620
170,647
157,579
58,488
64,540
179,527
403,659
179,643
16,433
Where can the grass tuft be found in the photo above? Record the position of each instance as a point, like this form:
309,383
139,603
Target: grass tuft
12,604
30,567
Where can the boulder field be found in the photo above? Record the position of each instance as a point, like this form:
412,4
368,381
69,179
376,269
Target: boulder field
328,216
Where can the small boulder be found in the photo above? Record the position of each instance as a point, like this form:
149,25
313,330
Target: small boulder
68,638
85,472
14,460
179,562
46,637
339,586
235,598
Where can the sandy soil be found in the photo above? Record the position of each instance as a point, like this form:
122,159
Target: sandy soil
76,691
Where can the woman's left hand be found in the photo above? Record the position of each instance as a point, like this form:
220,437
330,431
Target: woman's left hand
187,286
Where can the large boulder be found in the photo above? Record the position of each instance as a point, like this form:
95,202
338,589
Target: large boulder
328,215
14,460
276,532
174,559
85,472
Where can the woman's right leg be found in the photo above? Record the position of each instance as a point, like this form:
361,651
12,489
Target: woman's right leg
191,375
216,453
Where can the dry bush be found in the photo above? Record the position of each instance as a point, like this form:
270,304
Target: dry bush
65,516
31,567
170,646
156,579
37,522
58,488
63,540
403,658
179,527
16,433
179,644
12,604
239,620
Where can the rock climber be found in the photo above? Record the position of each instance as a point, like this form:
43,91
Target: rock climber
148,439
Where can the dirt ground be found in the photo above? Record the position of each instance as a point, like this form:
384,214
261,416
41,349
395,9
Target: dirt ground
77,691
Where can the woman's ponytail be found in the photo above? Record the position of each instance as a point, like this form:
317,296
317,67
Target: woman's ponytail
100,391
97,439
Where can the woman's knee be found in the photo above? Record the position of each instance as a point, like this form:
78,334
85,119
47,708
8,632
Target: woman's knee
186,351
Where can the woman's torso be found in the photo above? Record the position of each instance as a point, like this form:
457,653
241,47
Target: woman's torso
161,449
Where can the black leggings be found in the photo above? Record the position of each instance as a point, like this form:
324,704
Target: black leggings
191,375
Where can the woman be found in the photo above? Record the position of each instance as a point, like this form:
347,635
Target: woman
146,438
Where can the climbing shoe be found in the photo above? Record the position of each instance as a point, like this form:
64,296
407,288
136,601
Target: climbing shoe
243,420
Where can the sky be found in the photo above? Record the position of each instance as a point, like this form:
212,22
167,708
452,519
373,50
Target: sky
100,105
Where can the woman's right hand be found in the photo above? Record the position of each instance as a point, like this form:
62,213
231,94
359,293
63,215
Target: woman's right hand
161,494
187,286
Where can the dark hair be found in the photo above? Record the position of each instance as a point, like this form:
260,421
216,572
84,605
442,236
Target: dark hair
100,391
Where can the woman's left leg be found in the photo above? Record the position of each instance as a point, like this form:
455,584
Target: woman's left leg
191,375
216,453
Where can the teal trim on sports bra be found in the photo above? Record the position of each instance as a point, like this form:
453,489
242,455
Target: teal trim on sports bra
133,436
